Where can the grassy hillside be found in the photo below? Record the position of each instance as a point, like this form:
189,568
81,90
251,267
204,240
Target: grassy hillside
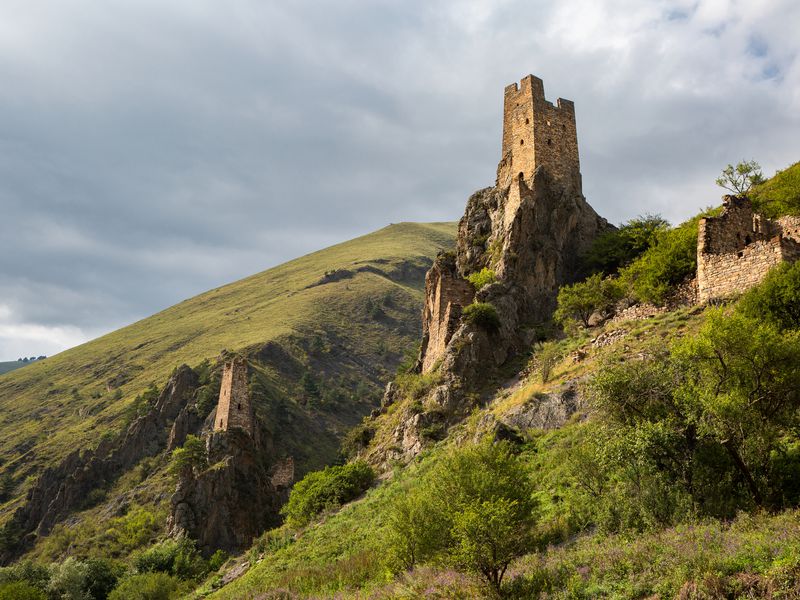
573,553
11,365
780,194
353,324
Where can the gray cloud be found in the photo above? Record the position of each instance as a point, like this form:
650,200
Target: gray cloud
152,150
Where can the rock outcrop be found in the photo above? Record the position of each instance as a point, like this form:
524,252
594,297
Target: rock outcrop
64,488
531,236
230,502
529,232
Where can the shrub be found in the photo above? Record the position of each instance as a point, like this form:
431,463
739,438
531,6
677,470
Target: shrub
546,356
101,577
482,278
615,249
191,456
663,266
149,586
577,302
475,510
326,490
482,314
20,590
68,580
177,557
777,299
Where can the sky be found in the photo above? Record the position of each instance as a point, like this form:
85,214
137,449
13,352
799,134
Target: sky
153,149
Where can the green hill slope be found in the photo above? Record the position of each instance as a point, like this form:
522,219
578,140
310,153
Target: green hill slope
11,365
349,312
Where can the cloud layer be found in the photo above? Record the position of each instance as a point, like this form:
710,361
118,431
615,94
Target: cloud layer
150,150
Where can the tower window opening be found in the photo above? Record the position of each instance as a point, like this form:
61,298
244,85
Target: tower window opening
563,128
220,422
239,406
522,142
527,120
521,175
549,142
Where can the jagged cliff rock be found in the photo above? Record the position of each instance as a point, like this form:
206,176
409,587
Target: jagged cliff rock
229,503
64,488
531,235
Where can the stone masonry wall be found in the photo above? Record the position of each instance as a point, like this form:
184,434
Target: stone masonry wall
537,133
234,408
736,250
446,293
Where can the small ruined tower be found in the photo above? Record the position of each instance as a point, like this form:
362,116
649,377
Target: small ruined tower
234,408
537,133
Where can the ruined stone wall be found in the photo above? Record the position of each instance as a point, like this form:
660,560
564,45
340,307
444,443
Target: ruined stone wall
234,408
282,473
537,133
736,250
446,294
790,228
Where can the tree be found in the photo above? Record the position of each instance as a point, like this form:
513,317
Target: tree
190,457
741,178
615,249
581,300
416,530
744,376
475,509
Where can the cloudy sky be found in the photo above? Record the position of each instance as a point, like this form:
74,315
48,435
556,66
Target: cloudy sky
152,149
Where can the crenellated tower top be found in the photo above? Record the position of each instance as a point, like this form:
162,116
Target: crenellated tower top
537,133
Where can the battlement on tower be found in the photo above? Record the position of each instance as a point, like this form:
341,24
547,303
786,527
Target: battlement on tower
537,133
234,408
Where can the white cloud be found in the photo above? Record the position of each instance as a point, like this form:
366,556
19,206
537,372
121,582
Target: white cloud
152,150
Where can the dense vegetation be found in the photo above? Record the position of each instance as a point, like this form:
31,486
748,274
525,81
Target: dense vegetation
683,483
326,490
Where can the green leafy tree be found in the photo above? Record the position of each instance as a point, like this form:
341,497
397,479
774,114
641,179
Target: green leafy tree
745,381
741,178
486,538
579,301
416,529
191,457
478,512
709,422
664,265
614,249
68,580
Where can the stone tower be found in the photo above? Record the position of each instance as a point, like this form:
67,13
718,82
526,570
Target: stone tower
536,133
234,408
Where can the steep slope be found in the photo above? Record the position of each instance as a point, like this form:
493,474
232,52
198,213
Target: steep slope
338,316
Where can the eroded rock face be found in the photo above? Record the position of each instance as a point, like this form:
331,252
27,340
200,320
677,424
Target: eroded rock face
531,235
63,489
229,503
